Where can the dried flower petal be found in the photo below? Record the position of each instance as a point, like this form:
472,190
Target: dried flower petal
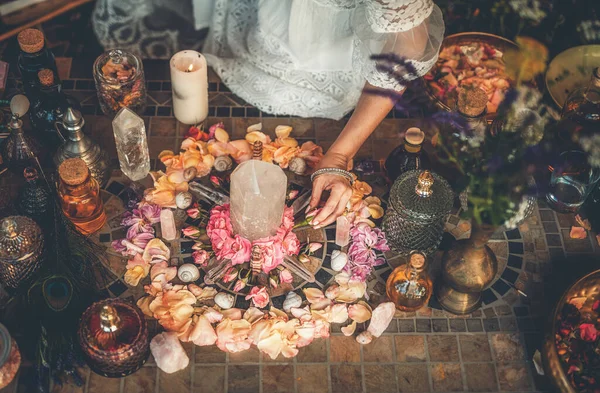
585,223
349,330
578,233
359,312
313,295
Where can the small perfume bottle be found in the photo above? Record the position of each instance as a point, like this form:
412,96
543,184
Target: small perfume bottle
407,156
409,285
80,196
35,200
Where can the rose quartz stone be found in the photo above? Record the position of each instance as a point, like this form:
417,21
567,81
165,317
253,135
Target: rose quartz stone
381,318
168,352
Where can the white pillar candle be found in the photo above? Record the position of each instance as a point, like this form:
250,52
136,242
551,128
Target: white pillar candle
189,84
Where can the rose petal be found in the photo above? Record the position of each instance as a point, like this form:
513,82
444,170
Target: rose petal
359,312
339,313
313,295
283,131
376,211
578,233
349,330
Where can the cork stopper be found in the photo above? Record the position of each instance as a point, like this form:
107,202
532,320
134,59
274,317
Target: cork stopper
73,171
46,77
472,102
414,136
31,40
417,260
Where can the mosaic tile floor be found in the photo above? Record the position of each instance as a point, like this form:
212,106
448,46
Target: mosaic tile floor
489,350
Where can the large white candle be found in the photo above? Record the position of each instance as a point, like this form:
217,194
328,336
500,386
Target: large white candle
189,83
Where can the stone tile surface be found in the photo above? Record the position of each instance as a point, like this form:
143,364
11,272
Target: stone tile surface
413,378
443,348
410,348
346,378
446,377
312,378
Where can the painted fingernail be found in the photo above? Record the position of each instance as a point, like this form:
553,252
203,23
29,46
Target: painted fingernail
308,208
318,227
315,223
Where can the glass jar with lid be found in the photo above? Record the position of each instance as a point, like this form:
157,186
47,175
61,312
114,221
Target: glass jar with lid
21,250
120,82
419,203
114,338
409,285
80,196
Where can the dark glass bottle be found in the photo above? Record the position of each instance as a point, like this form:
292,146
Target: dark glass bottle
407,156
48,107
33,58
19,150
34,198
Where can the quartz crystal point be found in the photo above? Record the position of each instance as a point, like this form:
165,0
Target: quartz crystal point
132,147
381,318
200,191
342,231
258,191
169,354
167,225
296,267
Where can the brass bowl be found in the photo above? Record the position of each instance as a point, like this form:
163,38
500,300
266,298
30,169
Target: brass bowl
467,38
587,286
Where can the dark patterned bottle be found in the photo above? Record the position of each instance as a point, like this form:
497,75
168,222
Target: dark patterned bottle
48,107
114,338
34,57
34,199
19,150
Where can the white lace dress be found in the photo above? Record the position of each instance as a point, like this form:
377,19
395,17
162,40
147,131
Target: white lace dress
310,58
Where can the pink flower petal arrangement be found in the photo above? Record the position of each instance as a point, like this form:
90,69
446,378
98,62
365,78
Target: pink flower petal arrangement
361,253
226,245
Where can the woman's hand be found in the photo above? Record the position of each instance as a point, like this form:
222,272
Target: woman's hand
338,186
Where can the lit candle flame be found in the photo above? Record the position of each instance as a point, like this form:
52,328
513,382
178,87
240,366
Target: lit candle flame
190,68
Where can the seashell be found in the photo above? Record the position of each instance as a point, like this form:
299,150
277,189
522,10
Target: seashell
292,300
188,272
190,173
223,163
339,259
364,338
297,165
183,200
224,300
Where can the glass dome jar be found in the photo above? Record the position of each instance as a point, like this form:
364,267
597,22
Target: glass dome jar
114,338
21,250
120,82
419,203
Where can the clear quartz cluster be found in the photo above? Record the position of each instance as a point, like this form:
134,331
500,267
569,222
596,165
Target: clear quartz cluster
257,199
132,147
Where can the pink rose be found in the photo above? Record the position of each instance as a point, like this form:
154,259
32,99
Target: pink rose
220,240
259,296
230,275
291,244
285,276
272,252
190,231
239,285
287,221
201,257
587,331
219,219
194,211
240,249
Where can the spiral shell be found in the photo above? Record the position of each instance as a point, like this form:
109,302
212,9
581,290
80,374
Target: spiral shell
339,259
223,163
188,272
183,200
292,299
364,338
297,165
224,300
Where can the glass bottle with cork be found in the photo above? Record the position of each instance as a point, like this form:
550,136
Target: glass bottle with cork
33,58
49,107
581,111
409,286
407,156
80,196
471,105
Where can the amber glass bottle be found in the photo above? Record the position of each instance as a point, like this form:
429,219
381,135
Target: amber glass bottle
80,196
409,285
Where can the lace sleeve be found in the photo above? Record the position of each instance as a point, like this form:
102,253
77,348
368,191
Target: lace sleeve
410,29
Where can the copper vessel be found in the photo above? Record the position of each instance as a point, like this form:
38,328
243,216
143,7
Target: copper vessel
467,269
588,286
114,338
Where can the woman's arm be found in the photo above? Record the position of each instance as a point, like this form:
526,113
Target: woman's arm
369,112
